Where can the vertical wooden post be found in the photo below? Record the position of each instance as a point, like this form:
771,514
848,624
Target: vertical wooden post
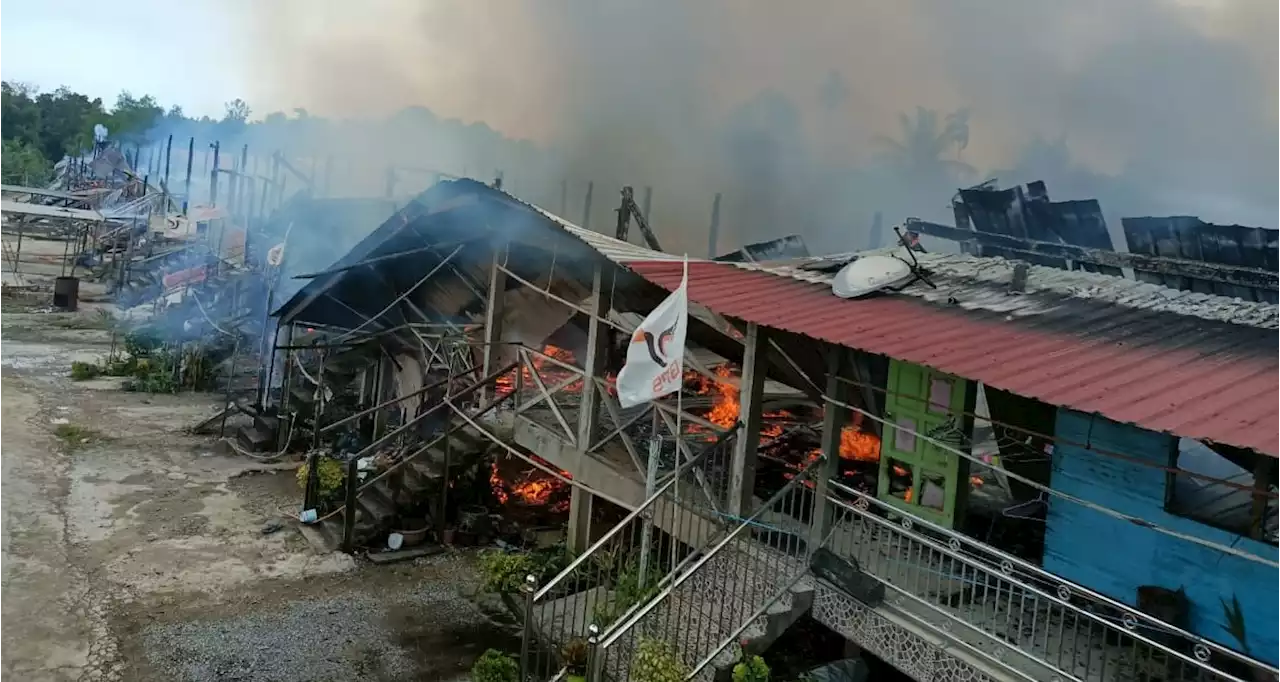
593,366
191,157
493,314
834,419
742,473
1262,475
213,176
713,235
647,204
349,511
586,206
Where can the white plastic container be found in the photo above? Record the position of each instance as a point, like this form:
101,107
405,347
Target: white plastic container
308,516
395,541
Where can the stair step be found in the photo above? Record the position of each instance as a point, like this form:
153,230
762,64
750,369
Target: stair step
255,439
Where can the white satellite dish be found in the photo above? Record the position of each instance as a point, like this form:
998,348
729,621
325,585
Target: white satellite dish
870,274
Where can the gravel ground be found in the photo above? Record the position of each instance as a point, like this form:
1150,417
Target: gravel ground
380,630
324,639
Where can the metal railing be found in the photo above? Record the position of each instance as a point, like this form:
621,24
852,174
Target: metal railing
723,597
1014,610
616,575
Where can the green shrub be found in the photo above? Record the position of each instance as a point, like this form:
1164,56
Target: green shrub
83,371
495,666
656,661
627,591
330,475
505,571
752,669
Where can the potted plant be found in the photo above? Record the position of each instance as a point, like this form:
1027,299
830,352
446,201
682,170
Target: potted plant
574,655
495,666
751,669
656,661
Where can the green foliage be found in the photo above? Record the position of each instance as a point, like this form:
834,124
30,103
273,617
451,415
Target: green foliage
504,571
751,669
627,590
330,475
24,164
495,666
84,371
133,116
75,436
656,661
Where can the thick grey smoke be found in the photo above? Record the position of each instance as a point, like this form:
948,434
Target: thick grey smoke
793,109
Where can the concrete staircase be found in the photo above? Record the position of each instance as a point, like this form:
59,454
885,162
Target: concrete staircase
727,591
382,503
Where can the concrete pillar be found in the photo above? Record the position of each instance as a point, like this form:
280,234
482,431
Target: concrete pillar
834,420
742,477
596,353
579,536
493,313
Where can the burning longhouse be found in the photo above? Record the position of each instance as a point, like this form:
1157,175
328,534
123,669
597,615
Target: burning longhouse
942,471
1030,456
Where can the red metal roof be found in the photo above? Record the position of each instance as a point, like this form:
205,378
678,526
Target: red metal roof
1204,390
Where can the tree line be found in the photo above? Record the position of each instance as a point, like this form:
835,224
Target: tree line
40,128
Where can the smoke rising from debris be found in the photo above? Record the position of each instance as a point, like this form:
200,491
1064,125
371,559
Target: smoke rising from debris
809,116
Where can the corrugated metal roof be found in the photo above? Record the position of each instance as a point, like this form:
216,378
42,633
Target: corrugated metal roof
612,248
978,282
1120,353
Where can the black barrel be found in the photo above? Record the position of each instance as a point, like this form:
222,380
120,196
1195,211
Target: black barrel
66,293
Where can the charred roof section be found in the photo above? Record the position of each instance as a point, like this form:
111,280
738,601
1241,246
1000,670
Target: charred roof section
1189,238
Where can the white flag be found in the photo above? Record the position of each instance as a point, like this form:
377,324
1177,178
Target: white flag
655,356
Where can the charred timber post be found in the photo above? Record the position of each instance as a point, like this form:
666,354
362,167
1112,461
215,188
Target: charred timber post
493,314
624,216
349,510
391,182
647,203
213,176
834,419
742,472
714,235
586,206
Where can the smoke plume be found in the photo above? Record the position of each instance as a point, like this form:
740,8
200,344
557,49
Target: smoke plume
806,115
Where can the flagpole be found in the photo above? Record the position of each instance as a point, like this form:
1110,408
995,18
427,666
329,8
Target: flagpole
684,282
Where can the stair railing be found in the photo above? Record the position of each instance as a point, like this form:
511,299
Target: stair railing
691,618
955,583
614,577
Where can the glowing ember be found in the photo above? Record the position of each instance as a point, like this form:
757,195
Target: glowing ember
908,495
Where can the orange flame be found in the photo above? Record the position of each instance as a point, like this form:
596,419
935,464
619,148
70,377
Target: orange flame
534,487
855,444
550,373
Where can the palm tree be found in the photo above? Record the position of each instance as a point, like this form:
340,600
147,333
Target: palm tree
921,152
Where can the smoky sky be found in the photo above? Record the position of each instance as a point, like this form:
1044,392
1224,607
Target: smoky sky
1156,107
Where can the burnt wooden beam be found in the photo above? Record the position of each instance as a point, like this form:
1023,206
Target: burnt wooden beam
1179,267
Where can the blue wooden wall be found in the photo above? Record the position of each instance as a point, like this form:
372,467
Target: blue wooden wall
1115,557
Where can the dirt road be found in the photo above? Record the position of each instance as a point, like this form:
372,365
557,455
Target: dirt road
135,551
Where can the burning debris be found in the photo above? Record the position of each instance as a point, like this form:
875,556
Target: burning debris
529,487
856,445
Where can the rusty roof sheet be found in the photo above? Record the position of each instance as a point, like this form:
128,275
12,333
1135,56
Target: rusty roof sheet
1187,367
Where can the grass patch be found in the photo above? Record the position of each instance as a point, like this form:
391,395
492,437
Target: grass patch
84,371
99,319
76,436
